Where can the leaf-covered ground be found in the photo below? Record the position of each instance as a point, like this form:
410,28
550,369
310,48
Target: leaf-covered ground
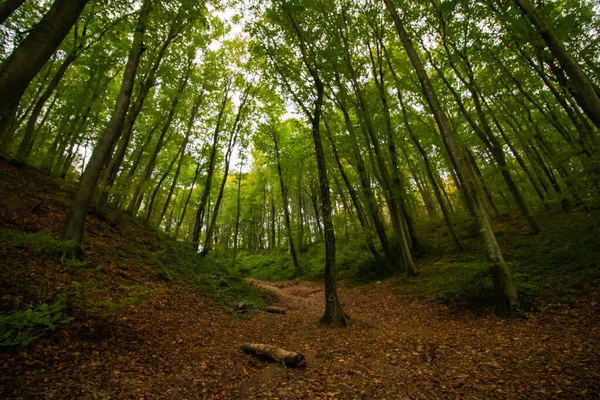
139,335
179,345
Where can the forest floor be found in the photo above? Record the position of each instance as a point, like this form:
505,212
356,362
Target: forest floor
178,345
166,340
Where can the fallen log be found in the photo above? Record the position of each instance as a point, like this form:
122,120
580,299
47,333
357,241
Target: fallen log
287,358
275,310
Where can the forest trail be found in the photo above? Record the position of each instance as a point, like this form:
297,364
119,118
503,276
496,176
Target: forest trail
180,345
397,348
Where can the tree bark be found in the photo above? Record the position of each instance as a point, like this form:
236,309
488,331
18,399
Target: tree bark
362,219
136,200
232,142
75,223
27,141
286,211
195,107
112,170
187,200
237,213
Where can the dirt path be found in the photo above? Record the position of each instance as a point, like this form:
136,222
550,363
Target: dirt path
395,348
180,345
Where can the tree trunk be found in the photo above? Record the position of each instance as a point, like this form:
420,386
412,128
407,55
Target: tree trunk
134,205
584,93
195,107
209,173
334,314
27,141
237,213
232,141
505,287
287,358
26,61
75,223
164,176
112,170
187,200
362,219
286,211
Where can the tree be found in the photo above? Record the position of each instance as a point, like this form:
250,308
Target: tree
505,287
19,69
75,223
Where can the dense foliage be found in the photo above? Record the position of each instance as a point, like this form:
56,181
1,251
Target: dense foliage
308,126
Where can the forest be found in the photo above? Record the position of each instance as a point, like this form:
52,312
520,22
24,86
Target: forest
355,199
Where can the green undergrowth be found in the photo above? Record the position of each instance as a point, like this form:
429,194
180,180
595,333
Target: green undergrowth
559,265
149,260
177,262
353,259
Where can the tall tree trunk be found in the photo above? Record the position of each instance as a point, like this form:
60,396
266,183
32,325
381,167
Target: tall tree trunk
284,199
112,170
195,107
187,200
505,287
27,141
164,176
136,200
209,173
26,61
272,229
75,223
237,214
372,206
232,142
334,314
394,182
585,94
362,219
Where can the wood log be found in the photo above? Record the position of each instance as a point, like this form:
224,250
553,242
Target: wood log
275,310
287,358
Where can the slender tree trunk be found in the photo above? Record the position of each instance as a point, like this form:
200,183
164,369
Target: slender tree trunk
505,287
209,173
75,223
272,230
27,141
164,176
362,219
286,211
195,107
237,214
232,142
112,170
187,200
134,205
394,181
334,314
585,94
